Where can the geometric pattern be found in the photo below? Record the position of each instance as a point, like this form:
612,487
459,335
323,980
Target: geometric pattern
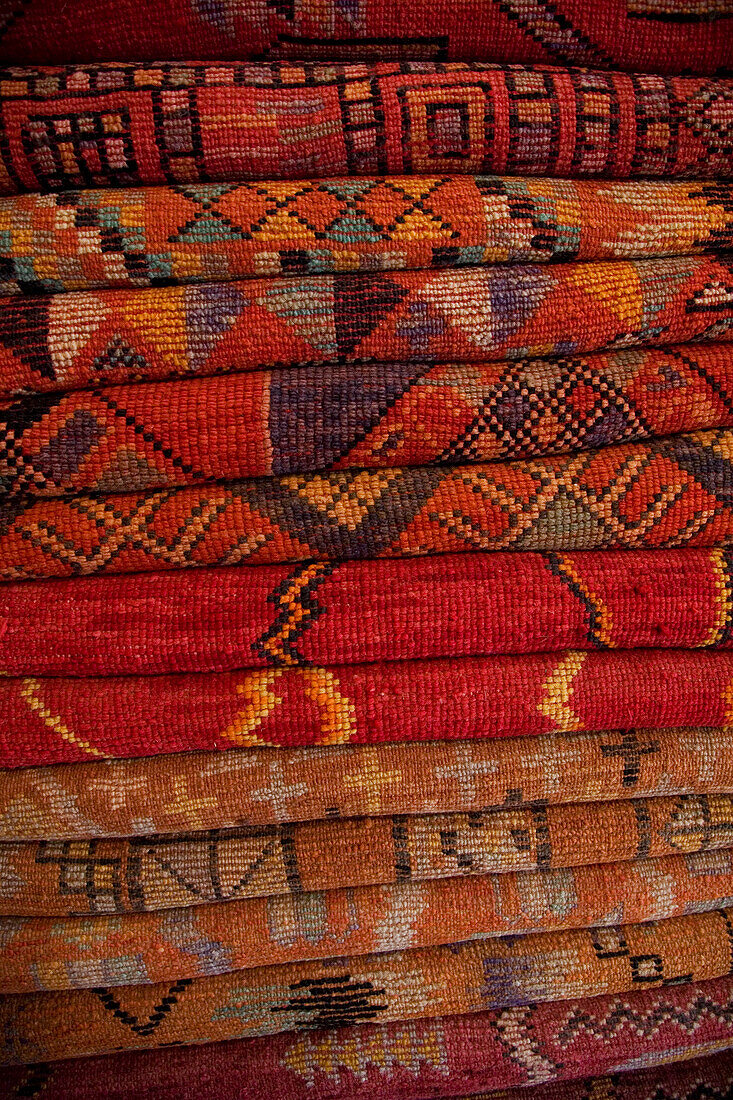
54,953
85,877
87,239
127,124
666,492
187,791
73,717
515,1046
289,621
79,718
406,984
467,315
652,35
139,437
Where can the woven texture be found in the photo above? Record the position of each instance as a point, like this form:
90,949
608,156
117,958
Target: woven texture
461,978
68,341
75,878
52,720
659,493
173,794
448,1056
711,1077
660,35
190,431
86,952
334,614
82,240
129,124
297,305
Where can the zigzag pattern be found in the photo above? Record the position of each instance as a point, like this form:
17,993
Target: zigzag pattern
620,1016
84,240
662,493
140,437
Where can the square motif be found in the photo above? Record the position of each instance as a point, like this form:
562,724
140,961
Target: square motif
448,130
80,150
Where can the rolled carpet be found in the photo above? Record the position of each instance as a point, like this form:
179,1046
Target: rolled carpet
55,953
402,985
76,340
194,791
193,430
59,719
147,874
655,35
445,1056
329,613
661,493
56,720
126,124
85,240
710,1076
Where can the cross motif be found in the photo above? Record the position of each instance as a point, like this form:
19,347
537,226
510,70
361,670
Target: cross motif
188,805
630,751
369,780
279,793
465,773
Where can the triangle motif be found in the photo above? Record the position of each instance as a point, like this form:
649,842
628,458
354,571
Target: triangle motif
209,228
361,304
211,310
24,330
715,295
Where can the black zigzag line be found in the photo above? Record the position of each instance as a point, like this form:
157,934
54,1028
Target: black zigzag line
644,1023
156,1017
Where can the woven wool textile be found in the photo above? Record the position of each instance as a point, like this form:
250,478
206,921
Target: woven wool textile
193,430
659,493
68,341
46,721
72,719
461,978
447,1056
74,878
659,35
171,794
128,124
316,614
711,1076
83,952
81,240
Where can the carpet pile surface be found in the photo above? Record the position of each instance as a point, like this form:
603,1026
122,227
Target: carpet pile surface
366,550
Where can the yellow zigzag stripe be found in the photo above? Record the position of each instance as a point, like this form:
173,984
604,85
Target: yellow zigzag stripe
30,693
558,689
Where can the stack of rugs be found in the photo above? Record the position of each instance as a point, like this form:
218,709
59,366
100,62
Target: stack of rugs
366,546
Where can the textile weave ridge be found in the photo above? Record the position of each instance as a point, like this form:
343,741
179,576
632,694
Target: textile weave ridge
77,340
658,35
145,874
662,493
460,978
406,1061
189,431
145,948
351,612
264,786
127,124
81,240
